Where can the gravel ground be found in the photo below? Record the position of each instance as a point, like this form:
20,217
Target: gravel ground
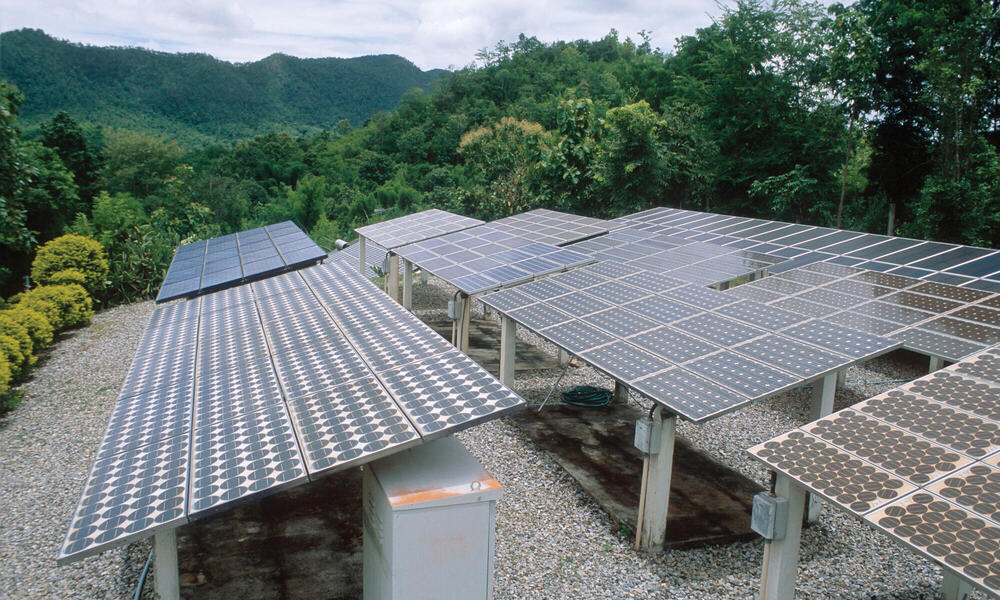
553,541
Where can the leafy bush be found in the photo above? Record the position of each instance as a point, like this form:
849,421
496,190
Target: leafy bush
68,276
11,352
5,375
75,252
38,326
64,305
19,333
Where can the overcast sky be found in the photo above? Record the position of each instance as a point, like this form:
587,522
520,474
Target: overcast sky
432,34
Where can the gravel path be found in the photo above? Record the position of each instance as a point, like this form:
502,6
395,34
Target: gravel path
552,539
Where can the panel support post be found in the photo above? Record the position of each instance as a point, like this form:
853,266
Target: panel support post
955,588
167,577
392,277
508,350
656,501
423,276
781,557
823,393
407,285
362,252
621,390
841,378
466,322
936,362
563,358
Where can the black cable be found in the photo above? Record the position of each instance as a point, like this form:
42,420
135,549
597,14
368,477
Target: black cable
587,396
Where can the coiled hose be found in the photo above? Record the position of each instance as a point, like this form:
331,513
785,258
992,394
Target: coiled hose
587,396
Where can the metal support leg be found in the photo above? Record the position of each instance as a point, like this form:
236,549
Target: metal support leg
841,378
657,498
466,322
936,362
362,251
167,578
621,393
423,276
823,393
955,588
563,358
781,557
508,350
392,277
407,285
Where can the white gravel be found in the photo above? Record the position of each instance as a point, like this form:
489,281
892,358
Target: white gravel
553,541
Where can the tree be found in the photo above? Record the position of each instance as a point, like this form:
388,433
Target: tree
137,163
630,170
504,157
65,136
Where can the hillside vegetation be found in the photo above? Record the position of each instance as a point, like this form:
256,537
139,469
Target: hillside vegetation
787,110
194,98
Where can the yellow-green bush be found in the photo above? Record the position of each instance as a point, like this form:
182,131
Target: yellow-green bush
5,375
71,251
35,322
72,305
11,351
66,277
19,333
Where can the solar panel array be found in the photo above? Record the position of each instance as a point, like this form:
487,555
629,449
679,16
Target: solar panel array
212,265
415,227
920,463
552,227
963,266
932,318
485,258
374,257
697,351
265,386
655,249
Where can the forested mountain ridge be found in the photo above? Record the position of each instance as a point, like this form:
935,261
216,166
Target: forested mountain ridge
195,98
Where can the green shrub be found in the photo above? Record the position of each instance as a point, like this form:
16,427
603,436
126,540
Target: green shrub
35,322
72,304
68,276
5,375
75,252
12,328
11,351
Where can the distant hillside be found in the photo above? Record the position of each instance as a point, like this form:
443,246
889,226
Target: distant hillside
194,97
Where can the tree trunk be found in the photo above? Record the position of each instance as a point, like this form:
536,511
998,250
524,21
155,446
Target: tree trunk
843,179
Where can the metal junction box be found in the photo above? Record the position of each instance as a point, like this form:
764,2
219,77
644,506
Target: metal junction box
429,522
769,516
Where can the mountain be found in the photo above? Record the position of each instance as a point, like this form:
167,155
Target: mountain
196,98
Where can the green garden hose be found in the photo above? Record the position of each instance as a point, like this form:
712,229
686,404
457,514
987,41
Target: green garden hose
587,396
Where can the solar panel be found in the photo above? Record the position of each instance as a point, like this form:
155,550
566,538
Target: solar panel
690,395
933,344
484,258
325,374
552,227
849,342
801,360
415,227
234,259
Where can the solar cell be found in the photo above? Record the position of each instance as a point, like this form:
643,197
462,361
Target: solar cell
964,393
672,344
802,360
717,329
698,296
740,374
921,302
660,309
933,344
619,322
760,315
539,316
841,340
624,361
551,226
804,307
577,336
415,227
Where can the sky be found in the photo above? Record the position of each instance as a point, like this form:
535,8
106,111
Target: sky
432,34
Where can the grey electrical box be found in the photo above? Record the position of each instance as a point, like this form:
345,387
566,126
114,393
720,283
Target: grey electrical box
429,523
451,310
647,435
769,516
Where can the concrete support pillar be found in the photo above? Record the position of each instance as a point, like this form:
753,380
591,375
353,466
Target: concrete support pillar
656,501
362,253
621,391
563,358
407,285
166,576
781,557
936,362
392,277
955,588
508,350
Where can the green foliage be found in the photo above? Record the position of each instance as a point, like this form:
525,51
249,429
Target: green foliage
64,306
66,138
10,349
376,168
67,276
38,327
19,333
5,379
137,163
72,252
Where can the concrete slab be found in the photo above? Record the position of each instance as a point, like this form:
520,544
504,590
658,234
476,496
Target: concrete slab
300,543
709,502
484,346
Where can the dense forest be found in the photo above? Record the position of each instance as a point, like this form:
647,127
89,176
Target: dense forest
195,99
787,110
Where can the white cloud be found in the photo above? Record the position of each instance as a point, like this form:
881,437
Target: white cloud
430,33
